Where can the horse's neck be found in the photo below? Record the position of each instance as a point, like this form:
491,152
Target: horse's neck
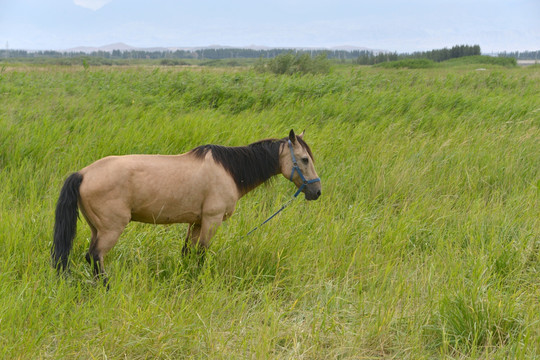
249,166
257,174
258,163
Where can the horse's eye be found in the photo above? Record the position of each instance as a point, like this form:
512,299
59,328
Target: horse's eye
305,160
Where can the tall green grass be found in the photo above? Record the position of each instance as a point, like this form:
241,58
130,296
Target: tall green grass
424,244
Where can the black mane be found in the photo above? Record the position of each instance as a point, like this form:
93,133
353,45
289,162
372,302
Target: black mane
250,165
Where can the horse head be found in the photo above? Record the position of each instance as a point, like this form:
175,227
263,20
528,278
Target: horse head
296,164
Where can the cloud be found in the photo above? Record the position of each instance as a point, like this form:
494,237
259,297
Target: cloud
92,4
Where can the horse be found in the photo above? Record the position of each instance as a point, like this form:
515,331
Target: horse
200,188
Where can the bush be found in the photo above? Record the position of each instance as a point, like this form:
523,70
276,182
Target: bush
409,64
172,62
483,59
295,64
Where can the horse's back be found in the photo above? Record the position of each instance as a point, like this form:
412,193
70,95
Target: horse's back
132,169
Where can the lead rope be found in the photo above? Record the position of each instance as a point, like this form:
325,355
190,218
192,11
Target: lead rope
274,214
267,220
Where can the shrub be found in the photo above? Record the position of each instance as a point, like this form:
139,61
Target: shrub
409,64
172,62
290,64
483,59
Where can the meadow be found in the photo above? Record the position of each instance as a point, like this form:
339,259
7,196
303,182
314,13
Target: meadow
424,244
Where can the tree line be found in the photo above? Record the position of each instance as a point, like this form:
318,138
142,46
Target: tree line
200,54
361,57
521,55
369,58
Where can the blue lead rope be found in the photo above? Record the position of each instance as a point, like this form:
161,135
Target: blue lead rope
304,184
271,217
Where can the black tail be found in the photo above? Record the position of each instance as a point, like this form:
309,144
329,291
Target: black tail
65,226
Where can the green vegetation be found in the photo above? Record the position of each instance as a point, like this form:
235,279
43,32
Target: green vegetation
278,61
409,64
290,63
438,55
195,54
102,61
462,61
415,60
424,244
483,60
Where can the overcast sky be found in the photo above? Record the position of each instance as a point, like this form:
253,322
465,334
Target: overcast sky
394,25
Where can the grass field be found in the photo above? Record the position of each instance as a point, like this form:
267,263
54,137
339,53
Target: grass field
424,244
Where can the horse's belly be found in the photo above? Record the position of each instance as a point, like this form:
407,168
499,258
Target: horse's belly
165,217
167,209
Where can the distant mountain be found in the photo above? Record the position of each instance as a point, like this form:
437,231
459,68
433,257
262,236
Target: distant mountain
125,47
108,48
83,49
354,48
117,46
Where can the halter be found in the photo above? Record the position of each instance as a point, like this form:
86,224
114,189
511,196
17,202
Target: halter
297,169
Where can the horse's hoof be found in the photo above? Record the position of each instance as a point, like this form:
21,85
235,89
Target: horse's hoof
106,283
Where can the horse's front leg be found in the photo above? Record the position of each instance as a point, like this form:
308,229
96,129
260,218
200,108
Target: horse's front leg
193,233
200,235
209,226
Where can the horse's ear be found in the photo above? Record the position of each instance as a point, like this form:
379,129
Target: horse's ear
301,136
292,136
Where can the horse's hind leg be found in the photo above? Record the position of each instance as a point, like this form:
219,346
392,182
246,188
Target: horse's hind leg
90,258
99,247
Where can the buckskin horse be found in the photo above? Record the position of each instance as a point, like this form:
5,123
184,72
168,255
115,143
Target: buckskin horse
200,188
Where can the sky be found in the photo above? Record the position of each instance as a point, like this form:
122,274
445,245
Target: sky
392,25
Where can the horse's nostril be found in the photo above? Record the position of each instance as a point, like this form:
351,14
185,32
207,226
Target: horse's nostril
319,193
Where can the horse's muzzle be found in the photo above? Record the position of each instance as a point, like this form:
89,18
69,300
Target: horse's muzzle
312,194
